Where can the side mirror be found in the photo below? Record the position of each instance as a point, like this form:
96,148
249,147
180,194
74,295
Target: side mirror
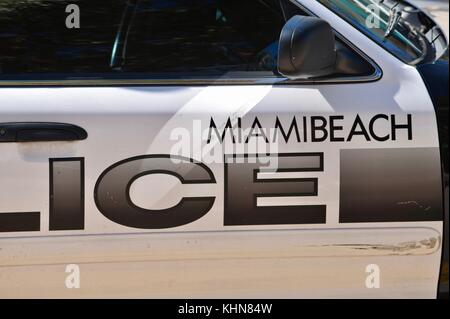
306,48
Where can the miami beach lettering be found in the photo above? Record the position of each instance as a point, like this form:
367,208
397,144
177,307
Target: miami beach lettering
315,129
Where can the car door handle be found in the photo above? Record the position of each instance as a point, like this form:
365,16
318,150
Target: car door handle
17,132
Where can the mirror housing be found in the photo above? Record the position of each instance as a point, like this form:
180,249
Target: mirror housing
306,48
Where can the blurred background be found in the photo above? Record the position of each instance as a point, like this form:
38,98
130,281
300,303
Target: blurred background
438,9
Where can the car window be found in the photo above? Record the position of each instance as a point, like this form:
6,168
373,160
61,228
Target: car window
168,39
203,37
372,18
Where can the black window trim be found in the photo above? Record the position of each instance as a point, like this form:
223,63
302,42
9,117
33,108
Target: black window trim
124,79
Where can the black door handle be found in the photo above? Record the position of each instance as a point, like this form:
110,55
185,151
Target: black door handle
16,132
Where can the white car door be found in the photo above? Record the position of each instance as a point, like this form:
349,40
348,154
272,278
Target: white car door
149,181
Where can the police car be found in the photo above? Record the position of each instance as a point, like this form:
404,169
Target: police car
222,148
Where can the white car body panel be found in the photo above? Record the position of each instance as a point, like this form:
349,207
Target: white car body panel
205,258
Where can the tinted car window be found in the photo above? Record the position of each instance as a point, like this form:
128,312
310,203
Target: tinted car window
168,37
203,37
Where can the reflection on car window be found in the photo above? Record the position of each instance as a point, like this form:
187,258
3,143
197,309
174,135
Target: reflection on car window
372,18
203,37
209,38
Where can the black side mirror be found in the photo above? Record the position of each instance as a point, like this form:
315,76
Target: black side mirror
306,48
